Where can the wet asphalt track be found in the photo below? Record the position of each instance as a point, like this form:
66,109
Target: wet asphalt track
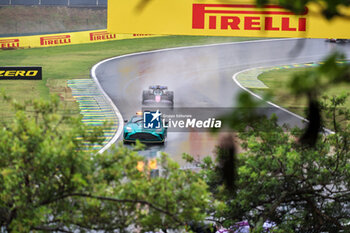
201,77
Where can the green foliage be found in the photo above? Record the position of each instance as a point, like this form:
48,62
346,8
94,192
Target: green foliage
301,189
335,112
39,161
244,112
314,82
330,8
48,182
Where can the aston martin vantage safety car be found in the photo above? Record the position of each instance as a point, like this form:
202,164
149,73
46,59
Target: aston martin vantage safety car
134,130
158,96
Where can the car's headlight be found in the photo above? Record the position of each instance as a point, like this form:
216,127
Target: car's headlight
128,129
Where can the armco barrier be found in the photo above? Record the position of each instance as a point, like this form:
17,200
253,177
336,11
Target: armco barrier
60,39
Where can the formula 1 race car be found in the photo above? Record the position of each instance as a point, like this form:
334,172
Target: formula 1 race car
332,40
158,96
134,130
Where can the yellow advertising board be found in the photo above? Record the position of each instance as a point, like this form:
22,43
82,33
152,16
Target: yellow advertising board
222,18
60,39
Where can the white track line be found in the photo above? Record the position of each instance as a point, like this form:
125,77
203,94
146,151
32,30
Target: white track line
234,77
115,109
117,112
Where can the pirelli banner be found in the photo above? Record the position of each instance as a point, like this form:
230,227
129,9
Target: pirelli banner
222,18
64,39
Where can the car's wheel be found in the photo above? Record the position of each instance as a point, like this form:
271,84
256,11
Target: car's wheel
145,96
341,40
171,96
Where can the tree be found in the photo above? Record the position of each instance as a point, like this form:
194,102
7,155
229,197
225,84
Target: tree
49,181
330,8
300,188
297,178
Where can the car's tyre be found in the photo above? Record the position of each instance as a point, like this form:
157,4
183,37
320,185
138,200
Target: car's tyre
340,40
169,96
145,96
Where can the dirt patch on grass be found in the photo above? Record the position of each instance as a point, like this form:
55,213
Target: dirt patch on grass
26,90
59,87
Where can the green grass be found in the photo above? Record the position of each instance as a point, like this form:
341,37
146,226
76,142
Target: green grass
75,61
278,80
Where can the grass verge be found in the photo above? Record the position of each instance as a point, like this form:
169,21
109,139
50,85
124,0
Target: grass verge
279,91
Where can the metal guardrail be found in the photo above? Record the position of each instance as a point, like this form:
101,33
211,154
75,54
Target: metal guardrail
71,3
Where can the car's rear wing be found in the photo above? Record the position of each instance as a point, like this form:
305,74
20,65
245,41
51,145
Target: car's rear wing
158,87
